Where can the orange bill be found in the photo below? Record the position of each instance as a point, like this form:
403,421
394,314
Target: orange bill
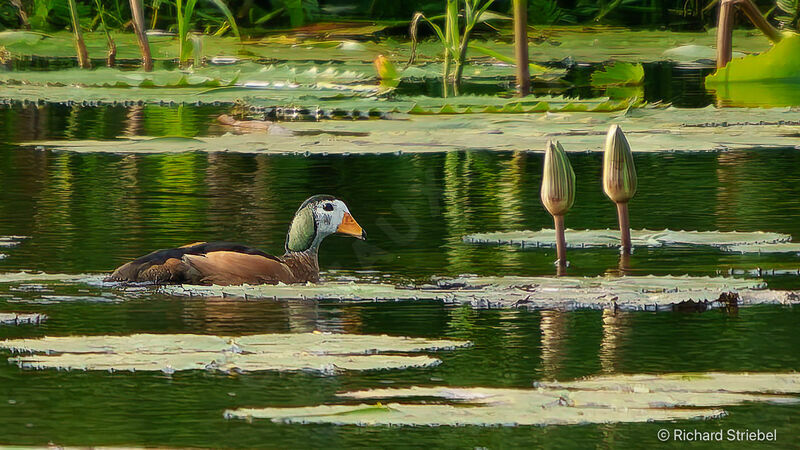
350,227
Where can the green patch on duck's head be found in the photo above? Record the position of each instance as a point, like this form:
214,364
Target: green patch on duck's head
302,231
318,217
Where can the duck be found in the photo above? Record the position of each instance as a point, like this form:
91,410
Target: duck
226,263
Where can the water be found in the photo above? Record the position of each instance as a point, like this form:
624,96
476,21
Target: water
88,213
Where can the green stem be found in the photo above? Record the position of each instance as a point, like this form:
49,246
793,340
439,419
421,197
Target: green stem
521,47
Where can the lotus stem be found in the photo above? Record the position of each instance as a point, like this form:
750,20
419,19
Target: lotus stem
725,33
624,264
23,16
624,228
111,56
619,179
558,192
561,241
80,45
751,11
521,47
137,9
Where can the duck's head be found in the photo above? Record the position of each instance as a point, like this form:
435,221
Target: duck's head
317,218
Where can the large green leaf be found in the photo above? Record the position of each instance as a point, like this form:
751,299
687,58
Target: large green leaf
780,63
618,73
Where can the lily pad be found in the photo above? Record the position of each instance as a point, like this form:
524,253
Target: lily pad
647,129
713,382
779,63
242,74
320,352
639,238
17,277
630,293
592,45
611,399
780,247
619,74
11,241
21,319
695,54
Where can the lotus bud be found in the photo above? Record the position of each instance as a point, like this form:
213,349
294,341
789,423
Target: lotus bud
558,180
619,173
558,193
619,179
385,68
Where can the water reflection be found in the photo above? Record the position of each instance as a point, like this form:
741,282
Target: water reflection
554,332
91,212
614,327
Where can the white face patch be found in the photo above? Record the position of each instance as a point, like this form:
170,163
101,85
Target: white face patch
328,220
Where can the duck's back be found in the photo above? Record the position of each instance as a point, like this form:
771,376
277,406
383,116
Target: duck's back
222,263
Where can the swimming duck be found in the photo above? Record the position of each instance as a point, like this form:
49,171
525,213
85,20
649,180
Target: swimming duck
225,263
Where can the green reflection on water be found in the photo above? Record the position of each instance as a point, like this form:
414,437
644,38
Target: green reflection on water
91,212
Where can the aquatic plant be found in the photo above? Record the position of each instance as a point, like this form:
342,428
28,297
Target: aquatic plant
619,179
725,27
558,192
455,45
186,9
521,47
80,45
387,73
618,74
137,11
598,399
790,10
111,56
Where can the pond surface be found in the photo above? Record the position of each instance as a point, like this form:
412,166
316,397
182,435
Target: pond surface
88,213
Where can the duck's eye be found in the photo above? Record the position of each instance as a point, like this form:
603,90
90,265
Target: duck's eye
327,207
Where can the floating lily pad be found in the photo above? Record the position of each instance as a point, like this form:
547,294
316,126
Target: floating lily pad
779,63
11,241
695,54
619,73
17,277
780,247
713,382
631,293
596,45
639,238
647,130
175,352
21,319
613,399
241,74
